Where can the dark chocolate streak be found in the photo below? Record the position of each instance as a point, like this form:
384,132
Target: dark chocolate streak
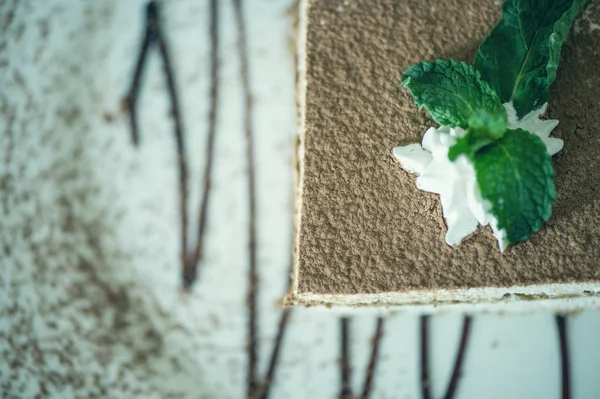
373,359
457,370
190,272
346,371
281,329
283,322
561,322
425,357
153,35
130,101
252,271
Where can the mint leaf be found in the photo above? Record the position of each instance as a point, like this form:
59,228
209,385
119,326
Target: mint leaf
515,175
484,128
520,56
453,93
469,144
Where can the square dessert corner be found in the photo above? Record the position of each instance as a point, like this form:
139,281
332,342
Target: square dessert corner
365,235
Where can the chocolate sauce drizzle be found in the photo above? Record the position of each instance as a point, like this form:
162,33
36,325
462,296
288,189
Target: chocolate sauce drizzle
281,330
561,323
458,361
153,36
190,261
376,343
252,379
190,270
346,371
424,356
282,327
345,362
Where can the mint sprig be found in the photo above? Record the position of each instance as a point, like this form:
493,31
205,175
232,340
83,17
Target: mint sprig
520,56
515,175
517,63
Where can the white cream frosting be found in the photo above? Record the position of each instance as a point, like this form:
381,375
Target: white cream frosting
462,205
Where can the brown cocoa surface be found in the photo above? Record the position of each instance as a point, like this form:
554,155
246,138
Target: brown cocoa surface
365,228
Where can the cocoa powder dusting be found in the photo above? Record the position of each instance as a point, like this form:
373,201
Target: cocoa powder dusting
365,228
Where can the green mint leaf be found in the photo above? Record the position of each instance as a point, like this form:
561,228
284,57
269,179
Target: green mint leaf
515,175
453,93
520,56
491,124
469,144
484,128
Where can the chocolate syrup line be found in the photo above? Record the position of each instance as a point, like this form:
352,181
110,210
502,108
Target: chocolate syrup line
268,381
281,330
424,356
561,323
346,371
252,379
153,36
459,360
190,272
370,374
